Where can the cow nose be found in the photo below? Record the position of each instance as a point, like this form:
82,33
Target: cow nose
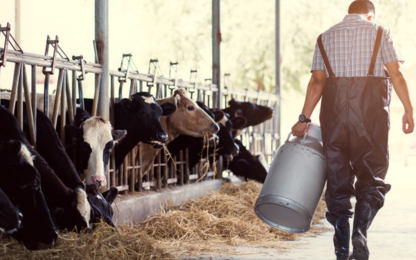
217,128
235,149
99,180
162,137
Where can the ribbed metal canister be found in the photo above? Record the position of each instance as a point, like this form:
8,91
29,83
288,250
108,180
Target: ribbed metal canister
294,183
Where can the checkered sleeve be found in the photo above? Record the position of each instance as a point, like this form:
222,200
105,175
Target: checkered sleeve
318,61
389,51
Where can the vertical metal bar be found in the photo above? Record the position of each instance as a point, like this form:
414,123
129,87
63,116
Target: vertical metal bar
34,101
46,95
165,170
132,180
112,101
187,166
57,98
69,100
74,91
102,43
32,129
131,87
216,40
63,113
277,68
17,33
120,91
141,86
113,167
123,175
16,77
158,173
81,94
181,168
20,99
96,95
140,177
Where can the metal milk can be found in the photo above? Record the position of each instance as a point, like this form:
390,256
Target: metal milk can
294,183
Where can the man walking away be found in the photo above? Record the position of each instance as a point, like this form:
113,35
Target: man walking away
348,72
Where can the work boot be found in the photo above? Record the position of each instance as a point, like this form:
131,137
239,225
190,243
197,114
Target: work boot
342,236
364,215
342,239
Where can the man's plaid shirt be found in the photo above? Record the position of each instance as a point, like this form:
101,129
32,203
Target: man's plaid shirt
349,46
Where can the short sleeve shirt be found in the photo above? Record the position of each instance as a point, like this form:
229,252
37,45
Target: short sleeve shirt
349,46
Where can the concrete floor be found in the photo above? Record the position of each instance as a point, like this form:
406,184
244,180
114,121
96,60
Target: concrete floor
392,235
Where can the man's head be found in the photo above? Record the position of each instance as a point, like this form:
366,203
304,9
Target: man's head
364,8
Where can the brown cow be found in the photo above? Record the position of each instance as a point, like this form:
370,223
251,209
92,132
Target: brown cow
188,119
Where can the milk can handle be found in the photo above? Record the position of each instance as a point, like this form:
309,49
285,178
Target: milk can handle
303,140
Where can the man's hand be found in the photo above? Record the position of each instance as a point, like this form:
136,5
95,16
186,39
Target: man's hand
408,123
299,129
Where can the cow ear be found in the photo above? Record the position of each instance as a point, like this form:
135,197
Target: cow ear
126,104
118,134
232,102
110,195
219,115
73,131
239,122
168,109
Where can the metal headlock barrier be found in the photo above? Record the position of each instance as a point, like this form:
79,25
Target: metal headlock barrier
130,177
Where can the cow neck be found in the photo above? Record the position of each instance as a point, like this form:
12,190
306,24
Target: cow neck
125,146
169,129
52,150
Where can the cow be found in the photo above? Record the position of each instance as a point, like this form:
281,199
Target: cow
226,145
255,114
101,204
10,216
95,141
94,132
70,208
189,119
21,182
247,165
139,116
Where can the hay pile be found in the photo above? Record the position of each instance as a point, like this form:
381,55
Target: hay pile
226,216
103,243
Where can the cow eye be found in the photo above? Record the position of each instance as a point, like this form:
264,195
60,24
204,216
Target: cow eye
191,108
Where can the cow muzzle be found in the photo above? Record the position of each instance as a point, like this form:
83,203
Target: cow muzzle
100,181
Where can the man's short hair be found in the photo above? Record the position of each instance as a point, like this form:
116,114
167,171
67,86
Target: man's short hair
361,7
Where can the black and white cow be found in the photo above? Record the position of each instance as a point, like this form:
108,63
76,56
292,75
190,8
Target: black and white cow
247,165
22,183
95,141
51,149
69,207
140,117
255,114
101,204
10,216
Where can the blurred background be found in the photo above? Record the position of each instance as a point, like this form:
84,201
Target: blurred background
180,30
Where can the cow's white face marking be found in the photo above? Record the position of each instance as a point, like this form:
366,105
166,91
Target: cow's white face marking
149,100
224,120
25,153
97,133
83,205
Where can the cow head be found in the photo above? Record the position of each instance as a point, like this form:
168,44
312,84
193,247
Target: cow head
255,114
10,216
77,213
95,142
189,118
101,204
227,146
21,182
144,117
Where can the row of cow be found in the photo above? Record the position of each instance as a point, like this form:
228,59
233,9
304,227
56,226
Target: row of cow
42,190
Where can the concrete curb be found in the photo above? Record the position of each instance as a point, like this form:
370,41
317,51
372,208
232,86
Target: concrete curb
137,207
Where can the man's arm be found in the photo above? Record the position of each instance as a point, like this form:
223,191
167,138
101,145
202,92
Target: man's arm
313,95
400,87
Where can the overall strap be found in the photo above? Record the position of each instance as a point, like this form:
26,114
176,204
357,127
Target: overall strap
326,61
375,52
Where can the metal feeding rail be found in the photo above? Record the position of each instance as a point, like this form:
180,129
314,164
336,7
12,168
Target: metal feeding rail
130,177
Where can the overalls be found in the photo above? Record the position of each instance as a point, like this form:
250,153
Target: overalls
355,123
